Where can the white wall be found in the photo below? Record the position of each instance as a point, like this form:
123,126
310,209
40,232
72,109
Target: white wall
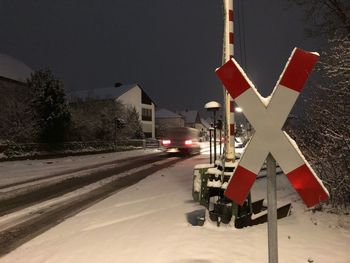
133,98
149,126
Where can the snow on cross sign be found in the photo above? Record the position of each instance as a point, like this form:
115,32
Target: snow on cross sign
267,116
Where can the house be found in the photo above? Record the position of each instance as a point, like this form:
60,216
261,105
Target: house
14,95
165,119
13,69
130,95
168,118
193,120
205,123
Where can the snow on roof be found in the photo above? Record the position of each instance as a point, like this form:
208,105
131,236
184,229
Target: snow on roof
205,123
164,113
189,115
12,68
103,93
209,120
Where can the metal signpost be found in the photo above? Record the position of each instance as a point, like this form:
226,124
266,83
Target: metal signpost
268,117
272,209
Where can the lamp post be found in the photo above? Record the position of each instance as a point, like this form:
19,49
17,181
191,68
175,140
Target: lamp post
219,126
214,107
210,151
115,134
118,124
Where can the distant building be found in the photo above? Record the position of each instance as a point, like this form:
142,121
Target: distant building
169,119
130,95
205,123
194,120
13,69
166,119
14,95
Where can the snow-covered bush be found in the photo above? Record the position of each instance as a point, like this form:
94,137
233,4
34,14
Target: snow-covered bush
103,120
323,129
49,107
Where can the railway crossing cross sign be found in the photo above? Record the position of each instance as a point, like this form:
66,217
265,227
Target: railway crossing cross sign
267,116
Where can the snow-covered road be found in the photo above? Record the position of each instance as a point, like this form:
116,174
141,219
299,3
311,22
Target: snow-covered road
18,171
149,222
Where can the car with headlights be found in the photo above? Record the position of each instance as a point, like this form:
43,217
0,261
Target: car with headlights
183,140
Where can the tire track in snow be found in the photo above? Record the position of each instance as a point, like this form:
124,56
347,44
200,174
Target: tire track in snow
119,220
127,203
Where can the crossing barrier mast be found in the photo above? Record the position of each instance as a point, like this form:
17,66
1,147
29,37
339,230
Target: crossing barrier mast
229,105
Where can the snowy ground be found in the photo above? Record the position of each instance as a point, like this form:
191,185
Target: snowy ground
149,222
17,171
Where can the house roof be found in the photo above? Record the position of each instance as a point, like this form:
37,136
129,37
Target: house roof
209,120
191,116
205,123
14,69
164,113
102,93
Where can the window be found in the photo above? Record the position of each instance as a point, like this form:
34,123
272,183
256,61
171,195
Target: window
146,114
148,134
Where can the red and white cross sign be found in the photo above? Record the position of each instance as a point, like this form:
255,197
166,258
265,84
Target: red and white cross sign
267,116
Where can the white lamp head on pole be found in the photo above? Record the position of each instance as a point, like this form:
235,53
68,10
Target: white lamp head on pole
212,106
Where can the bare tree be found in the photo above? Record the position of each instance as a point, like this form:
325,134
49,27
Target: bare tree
325,17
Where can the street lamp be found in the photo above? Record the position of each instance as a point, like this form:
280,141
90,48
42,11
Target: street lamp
119,123
214,107
238,109
244,123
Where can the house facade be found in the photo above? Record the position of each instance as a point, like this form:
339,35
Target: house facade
137,97
130,95
14,97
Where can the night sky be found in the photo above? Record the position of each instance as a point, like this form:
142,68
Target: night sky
170,48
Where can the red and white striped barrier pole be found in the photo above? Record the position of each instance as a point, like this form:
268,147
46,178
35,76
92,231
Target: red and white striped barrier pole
229,106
